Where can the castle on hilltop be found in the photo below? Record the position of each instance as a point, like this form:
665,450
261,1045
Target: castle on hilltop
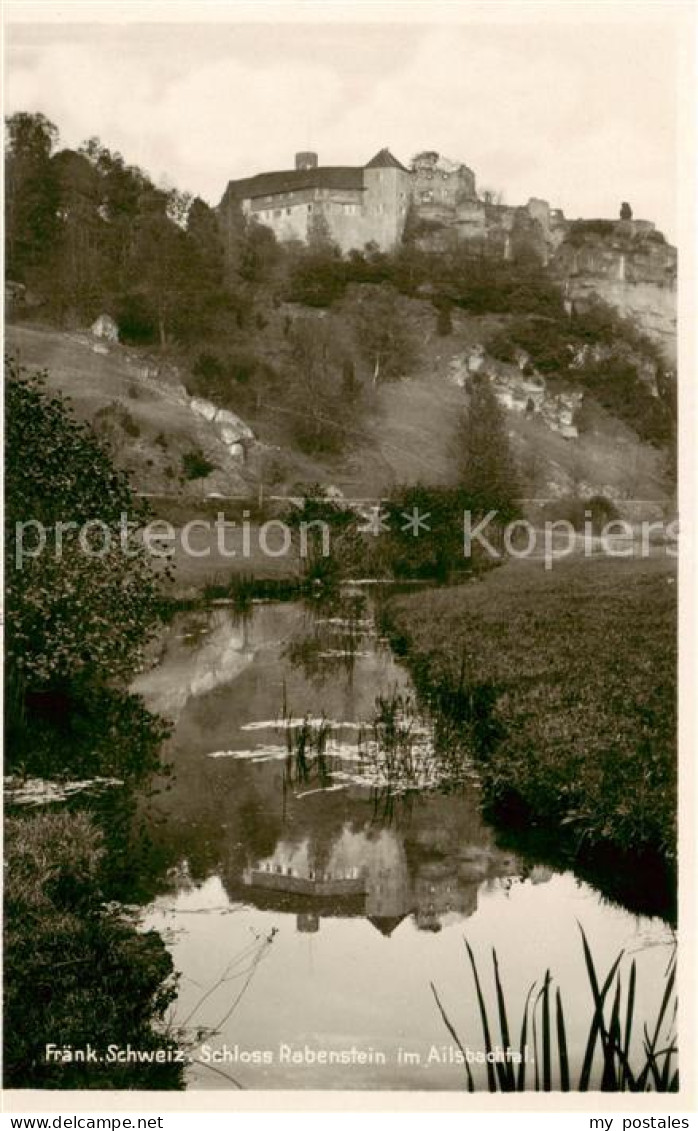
362,204
626,260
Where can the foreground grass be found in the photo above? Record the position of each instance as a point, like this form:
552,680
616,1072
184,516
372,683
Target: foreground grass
616,1058
567,683
78,972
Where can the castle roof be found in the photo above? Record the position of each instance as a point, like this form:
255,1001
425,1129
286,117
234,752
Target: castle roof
292,180
385,160
386,924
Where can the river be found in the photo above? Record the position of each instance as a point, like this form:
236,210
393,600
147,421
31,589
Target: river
322,870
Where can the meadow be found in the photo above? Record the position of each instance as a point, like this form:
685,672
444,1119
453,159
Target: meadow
566,681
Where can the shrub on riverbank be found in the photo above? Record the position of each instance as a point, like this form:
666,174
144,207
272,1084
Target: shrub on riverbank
567,681
77,971
78,602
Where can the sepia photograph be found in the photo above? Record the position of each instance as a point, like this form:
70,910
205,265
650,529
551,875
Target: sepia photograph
341,419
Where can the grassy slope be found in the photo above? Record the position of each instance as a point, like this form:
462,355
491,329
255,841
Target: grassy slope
578,668
409,434
410,430
94,381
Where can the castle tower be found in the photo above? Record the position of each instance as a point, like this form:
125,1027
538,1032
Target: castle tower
388,188
306,160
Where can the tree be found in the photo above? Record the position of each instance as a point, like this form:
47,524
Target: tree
81,269
210,291
259,254
161,267
72,613
384,334
124,190
626,212
32,194
319,234
315,395
444,322
317,275
433,549
487,469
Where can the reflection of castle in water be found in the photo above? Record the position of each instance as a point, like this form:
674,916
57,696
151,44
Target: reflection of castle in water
368,874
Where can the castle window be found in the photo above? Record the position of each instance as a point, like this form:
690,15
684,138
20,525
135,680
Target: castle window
277,212
288,211
427,197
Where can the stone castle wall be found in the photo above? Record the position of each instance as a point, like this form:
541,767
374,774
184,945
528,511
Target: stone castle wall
626,262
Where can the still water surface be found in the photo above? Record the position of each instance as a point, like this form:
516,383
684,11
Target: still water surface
313,901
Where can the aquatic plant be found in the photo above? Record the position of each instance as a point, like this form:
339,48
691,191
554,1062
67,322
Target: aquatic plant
610,1054
306,743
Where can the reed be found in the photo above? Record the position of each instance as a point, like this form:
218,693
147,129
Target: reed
613,1060
306,745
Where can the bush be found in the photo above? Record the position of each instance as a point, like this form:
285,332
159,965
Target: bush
580,230
444,322
610,373
232,380
434,550
195,465
317,278
59,606
598,510
77,971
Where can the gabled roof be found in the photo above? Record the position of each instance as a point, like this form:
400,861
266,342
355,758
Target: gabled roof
292,180
385,160
386,924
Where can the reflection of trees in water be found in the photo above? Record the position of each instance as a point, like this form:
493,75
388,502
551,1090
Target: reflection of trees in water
108,981
335,631
86,731
429,863
97,731
222,817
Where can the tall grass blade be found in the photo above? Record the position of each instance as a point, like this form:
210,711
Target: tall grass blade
664,1080
597,1028
536,1058
650,1045
626,1076
547,1057
491,1076
503,1026
657,1071
562,1044
454,1035
611,1071
521,1076
665,1001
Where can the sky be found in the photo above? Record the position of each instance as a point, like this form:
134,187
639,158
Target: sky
580,113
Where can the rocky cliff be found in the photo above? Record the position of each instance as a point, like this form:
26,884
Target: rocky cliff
625,262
